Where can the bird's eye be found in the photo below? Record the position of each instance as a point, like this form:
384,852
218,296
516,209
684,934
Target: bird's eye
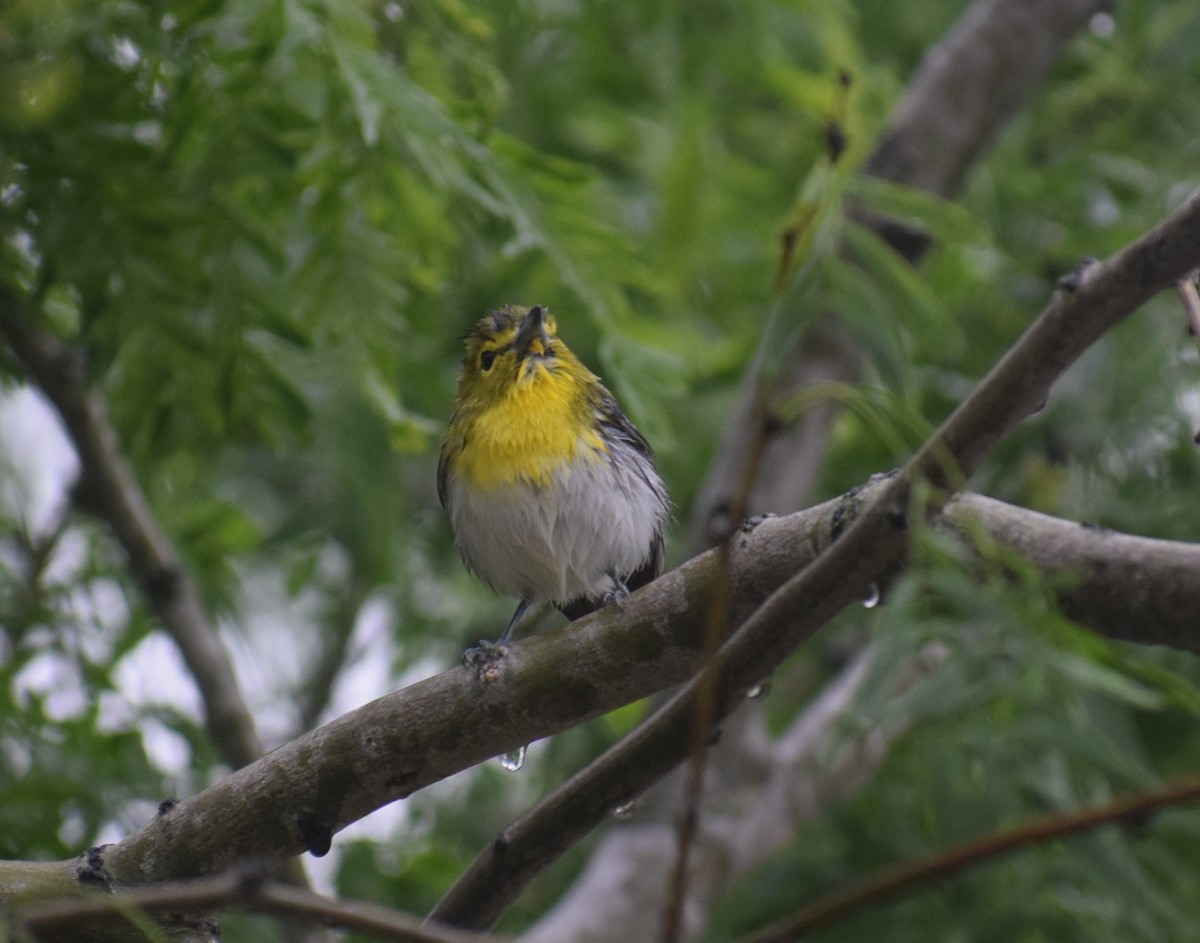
486,359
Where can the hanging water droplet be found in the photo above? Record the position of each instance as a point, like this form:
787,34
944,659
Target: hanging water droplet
513,760
871,600
759,691
624,811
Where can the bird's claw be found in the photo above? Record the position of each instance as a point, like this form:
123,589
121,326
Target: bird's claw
616,597
484,660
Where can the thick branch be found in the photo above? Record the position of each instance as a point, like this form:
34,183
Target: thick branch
299,795
107,488
1091,302
1131,588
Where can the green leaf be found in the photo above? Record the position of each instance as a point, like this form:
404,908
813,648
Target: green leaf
909,295
943,220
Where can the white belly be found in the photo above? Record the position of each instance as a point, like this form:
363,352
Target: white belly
560,542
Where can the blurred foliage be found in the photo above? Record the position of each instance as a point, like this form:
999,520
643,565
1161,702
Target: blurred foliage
267,222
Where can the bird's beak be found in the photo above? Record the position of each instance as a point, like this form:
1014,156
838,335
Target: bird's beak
532,330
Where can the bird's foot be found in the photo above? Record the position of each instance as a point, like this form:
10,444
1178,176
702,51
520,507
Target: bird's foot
485,659
617,596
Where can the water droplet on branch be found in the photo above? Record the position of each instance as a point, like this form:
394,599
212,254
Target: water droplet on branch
513,760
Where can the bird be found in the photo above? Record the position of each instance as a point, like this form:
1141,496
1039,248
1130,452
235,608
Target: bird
552,493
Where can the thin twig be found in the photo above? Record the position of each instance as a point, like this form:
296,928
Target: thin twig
715,631
341,619
717,627
1134,811
237,892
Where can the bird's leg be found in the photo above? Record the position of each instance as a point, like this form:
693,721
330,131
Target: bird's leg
484,658
522,608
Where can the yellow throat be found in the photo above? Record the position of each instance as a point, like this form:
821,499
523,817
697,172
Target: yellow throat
526,405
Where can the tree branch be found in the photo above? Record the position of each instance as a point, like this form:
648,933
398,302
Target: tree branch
1126,587
1131,588
299,795
752,809
77,916
970,85
341,618
1132,810
107,488
966,90
1091,301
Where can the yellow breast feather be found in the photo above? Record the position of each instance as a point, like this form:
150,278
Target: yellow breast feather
533,432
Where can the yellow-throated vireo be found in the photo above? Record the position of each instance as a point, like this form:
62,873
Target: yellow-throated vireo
552,493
